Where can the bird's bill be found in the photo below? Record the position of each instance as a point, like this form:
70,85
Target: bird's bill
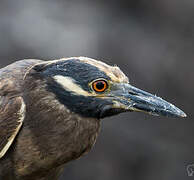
131,98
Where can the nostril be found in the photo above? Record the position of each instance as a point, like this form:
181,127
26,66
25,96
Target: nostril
132,93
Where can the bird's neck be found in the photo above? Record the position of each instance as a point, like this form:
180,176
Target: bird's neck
54,135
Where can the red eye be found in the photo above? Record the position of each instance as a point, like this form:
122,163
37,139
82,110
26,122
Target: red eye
100,85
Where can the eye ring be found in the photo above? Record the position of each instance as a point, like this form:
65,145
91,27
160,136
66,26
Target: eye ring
100,85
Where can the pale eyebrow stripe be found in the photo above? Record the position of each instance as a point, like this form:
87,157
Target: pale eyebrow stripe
70,85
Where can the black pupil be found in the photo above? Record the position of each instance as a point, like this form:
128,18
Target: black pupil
100,85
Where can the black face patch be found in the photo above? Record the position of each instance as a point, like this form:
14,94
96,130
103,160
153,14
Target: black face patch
82,105
83,74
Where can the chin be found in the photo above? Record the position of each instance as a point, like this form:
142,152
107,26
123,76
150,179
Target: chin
109,111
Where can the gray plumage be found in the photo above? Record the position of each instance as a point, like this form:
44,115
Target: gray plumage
39,130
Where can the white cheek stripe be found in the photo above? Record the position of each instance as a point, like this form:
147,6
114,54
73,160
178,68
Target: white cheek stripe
69,84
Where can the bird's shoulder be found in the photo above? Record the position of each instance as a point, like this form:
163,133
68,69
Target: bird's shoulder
12,105
12,77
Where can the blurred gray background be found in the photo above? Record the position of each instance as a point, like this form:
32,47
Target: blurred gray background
153,43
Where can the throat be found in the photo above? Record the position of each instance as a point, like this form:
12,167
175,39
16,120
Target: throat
54,135
65,139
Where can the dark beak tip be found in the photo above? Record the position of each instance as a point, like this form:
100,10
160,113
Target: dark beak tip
179,113
183,115
176,112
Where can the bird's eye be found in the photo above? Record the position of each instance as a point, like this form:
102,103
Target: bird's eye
100,85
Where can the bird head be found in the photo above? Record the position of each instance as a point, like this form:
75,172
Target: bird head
92,88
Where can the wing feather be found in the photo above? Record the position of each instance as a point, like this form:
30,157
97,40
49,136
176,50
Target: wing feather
12,114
